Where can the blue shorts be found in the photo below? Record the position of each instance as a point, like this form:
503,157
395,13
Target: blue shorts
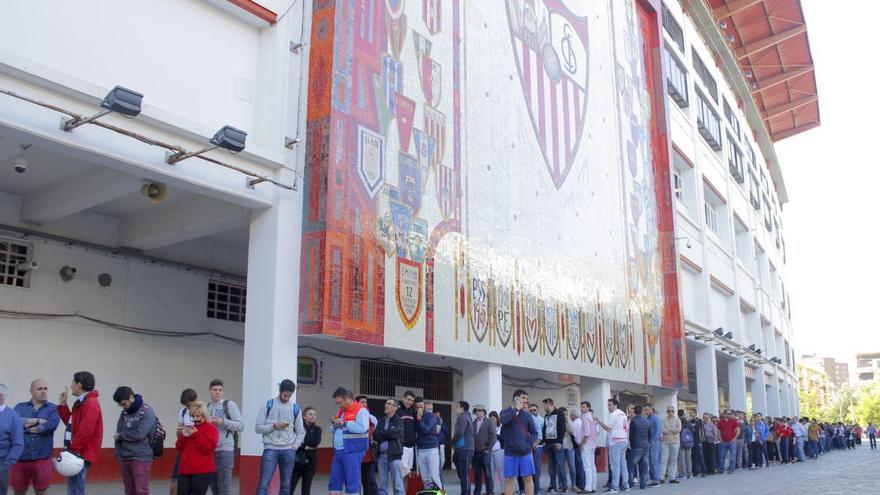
518,466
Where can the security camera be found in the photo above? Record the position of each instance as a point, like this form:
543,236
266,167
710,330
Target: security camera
20,164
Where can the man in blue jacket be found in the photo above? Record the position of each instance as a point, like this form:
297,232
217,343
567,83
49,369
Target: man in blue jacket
11,438
427,443
40,419
655,434
518,435
640,446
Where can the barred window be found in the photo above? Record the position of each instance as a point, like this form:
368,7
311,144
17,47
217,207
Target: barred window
677,83
13,256
705,76
226,300
673,28
708,122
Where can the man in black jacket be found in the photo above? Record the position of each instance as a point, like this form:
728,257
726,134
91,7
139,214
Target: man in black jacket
554,432
699,437
388,436
407,414
484,439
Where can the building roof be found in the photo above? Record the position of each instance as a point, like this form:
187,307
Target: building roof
770,42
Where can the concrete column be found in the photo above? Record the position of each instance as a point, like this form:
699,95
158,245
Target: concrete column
736,383
597,392
664,397
759,392
774,405
483,385
271,330
707,373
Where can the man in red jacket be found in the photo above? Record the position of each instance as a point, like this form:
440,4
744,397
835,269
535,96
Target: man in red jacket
85,426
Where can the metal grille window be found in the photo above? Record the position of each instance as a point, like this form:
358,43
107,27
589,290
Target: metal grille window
380,378
677,84
708,123
12,256
226,301
705,76
673,28
735,160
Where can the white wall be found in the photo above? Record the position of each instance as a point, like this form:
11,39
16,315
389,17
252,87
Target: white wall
141,295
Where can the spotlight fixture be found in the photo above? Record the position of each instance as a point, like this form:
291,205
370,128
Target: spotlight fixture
20,164
228,138
752,348
121,100
688,243
758,352
67,273
723,24
730,38
754,85
749,74
728,335
27,266
719,332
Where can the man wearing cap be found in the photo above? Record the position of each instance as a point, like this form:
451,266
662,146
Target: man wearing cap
484,440
281,425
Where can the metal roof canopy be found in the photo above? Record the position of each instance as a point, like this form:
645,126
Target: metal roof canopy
770,63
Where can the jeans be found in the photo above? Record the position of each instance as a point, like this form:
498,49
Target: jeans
800,449
556,465
579,479
224,460
872,441
429,466
639,458
135,476
669,459
483,471
588,456
699,462
272,458
742,455
617,459
76,485
569,456
462,459
685,464
368,478
656,472
4,477
784,446
538,459
814,449
756,454
728,451
390,471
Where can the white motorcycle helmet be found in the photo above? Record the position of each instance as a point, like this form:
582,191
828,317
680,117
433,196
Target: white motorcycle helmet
68,464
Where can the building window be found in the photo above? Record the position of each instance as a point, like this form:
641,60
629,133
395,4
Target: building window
673,28
13,255
677,185
711,216
226,301
705,76
754,188
708,123
384,379
768,215
735,160
732,120
676,82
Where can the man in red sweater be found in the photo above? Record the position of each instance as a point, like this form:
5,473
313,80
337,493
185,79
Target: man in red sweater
729,429
85,426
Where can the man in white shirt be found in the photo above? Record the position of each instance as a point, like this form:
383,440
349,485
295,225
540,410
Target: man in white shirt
617,428
589,441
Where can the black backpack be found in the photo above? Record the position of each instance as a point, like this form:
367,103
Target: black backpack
158,441
226,416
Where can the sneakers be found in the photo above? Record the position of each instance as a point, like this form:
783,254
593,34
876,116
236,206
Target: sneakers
653,484
673,481
611,490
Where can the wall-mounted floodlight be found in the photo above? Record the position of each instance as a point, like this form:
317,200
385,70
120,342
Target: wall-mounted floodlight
228,138
719,332
728,335
751,348
758,352
121,100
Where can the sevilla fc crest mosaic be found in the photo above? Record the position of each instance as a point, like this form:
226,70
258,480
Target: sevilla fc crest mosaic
550,45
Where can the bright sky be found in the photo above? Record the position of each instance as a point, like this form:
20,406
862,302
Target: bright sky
832,174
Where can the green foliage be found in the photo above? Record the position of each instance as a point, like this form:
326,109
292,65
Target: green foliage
860,404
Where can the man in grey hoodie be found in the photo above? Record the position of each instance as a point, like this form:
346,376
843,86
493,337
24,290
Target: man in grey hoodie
134,440
280,422
227,418
463,442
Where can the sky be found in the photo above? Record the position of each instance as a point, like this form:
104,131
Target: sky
832,220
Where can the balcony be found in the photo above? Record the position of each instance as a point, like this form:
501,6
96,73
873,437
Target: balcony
677,85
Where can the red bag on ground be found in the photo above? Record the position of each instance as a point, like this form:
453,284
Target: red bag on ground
414,484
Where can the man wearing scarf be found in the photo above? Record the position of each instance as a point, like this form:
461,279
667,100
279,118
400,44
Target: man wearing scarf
133,440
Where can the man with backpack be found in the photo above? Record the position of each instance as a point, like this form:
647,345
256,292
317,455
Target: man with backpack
133,440
227,419
281,425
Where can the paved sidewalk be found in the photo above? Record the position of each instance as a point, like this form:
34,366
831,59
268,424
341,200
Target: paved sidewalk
837,473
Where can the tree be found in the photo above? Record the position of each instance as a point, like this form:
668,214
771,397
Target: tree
868,407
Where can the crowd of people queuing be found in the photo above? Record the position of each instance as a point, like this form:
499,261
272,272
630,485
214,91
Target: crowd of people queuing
493,452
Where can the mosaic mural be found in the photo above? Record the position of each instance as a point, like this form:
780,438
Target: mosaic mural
488,180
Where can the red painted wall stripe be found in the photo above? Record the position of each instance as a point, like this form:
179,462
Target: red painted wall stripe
256,9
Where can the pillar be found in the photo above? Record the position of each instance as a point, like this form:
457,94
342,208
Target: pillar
774,405
759,392
736,383
597,392
483,385
664,397
271,330
707,373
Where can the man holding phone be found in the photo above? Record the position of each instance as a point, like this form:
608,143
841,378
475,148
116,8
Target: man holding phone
518,435
282,428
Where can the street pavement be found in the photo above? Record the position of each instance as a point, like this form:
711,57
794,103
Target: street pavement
836,473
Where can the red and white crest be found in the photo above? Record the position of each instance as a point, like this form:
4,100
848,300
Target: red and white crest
446,196
550,45
435,126
431,10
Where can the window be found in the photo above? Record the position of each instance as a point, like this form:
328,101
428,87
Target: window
708,123
677,185
732,120
705,76
768,218
744,243
13,255
754,188
382,379
673,28
683,181
711,216
676,82
735,160
226,300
